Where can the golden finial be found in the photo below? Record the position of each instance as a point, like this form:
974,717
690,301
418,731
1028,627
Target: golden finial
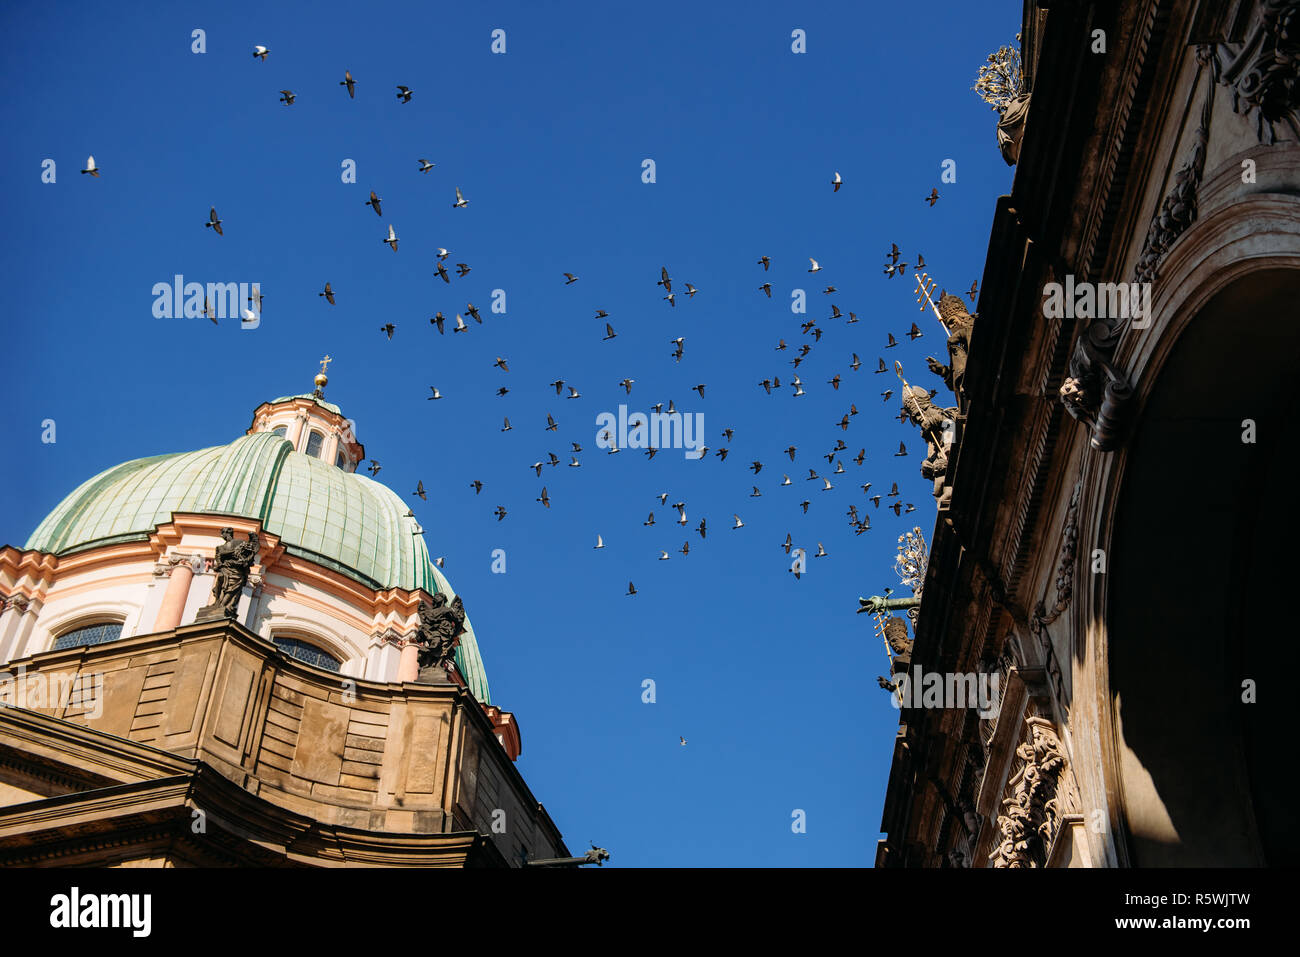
322,380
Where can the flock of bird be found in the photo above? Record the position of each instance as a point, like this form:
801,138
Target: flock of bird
836,454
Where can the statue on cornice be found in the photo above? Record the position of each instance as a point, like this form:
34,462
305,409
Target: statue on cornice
959,322
231,562
921,411
441,625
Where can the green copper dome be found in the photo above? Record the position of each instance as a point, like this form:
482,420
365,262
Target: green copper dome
338,519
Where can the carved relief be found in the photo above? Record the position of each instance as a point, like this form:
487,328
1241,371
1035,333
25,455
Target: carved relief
1263,72
1031,816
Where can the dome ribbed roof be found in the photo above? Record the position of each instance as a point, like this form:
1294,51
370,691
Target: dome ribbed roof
342,520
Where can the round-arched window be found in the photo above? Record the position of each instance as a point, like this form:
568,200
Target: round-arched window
96,634
314,441
306,652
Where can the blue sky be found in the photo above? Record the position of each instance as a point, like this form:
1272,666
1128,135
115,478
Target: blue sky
772,681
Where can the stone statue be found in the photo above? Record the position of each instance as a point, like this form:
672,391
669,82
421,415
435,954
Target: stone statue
959,323
921,411
231,562
899,643
441,625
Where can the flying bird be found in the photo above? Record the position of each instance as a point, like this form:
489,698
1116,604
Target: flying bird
404,93
419,488
374,467
328,295
691,290
902,450
500,512
391,239
765,262
472,310
974,288
91,168
461,201
260,52
350,83
213,221
600,542
932,198
631,589
609,333
664,280
816,266
663,555
287,97
476,485
373,202
739,523
436,393
836,182
425,166
915,332
462,270
501,364
460,324
442,271
507,427
544,498
388,328
767,288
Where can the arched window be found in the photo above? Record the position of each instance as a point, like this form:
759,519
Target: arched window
341,459
96,634
280,430
314,442
307,653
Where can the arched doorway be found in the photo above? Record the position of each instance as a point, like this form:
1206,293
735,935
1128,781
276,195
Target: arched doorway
1200,590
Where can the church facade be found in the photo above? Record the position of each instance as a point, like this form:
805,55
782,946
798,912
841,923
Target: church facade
1101,546
243,655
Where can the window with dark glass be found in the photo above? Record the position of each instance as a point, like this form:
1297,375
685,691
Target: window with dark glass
280,430
314,442
96,634
307,653
341,460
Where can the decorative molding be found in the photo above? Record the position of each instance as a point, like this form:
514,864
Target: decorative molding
1263,71
1031,816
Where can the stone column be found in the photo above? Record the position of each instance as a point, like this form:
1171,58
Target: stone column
176,595
408,668
11,613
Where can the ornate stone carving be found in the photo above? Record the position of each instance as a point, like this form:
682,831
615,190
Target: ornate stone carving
1263,72
960,322
20,602
1064,568
1031,815
1095,391
232,562
895,630
1011,128
441,625
930,418
1178,209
